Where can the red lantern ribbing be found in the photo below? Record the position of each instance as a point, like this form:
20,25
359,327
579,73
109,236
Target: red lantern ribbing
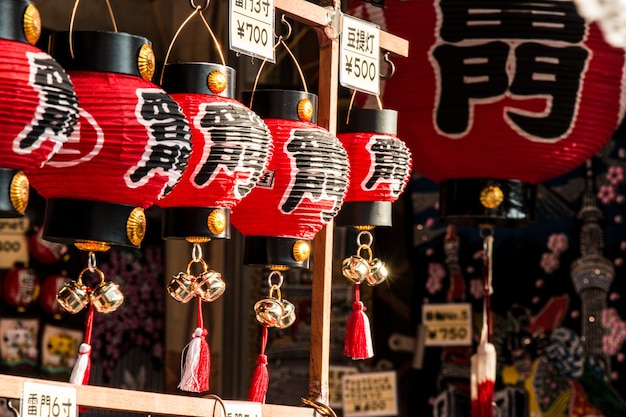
129,149
38,106
303,188
507,95
231,147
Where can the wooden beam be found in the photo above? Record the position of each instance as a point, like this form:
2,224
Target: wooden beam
314,15
144,402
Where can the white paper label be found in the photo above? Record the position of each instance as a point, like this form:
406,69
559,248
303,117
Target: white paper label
13,242
335,375
359,60
45,400
447,324
370,394
243,409
251,28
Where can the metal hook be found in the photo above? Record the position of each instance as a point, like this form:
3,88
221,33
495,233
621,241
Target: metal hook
204,6
390,64
286,23
319,407
12,408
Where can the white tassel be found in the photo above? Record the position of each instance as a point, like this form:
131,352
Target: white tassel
80,372
195,364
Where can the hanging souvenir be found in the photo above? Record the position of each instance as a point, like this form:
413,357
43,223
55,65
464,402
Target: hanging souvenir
380,166
38,106
304,185
231,147
20,287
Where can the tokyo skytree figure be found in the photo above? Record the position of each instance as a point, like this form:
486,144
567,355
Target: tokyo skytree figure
592,273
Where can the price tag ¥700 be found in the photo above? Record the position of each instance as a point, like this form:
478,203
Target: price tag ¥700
251,28
359,62
47,400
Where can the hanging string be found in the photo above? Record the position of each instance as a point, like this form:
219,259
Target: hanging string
487,282
352,96
73,20
281,41
197,11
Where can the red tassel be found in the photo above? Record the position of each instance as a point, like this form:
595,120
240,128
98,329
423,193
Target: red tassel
260,376
196,365
358,342
82,367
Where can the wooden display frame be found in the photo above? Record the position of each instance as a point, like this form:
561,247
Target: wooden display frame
326,19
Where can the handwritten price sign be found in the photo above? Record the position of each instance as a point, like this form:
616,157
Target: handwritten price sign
251,28
370,394
360,55
447,324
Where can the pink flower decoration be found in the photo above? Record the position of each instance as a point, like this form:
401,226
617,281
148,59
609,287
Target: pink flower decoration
615,174
557,242
477,288
436,270
549,262
433,285
606,193
539,283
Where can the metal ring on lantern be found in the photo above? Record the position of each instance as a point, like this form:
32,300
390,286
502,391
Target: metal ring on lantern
73,19
197,10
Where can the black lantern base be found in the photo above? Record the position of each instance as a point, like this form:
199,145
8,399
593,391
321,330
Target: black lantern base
364,213
74,221
478,201
13,193
276,252
196,222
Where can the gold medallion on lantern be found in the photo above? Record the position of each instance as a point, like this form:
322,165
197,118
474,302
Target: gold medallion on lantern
19,192
491,197
146,62
216,222
301,250
217,82
32,24
136,226
305,110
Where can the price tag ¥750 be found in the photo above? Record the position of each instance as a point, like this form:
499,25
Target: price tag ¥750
360,55
251,28
47,400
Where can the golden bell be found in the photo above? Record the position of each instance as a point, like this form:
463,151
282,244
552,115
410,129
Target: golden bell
73,297
378,272
209,286
107,297
289,315
181,287
269,311
355,268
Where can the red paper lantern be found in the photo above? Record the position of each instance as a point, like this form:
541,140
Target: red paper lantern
129,149
231,149
303,188
20,287
380,166
497,97
38,107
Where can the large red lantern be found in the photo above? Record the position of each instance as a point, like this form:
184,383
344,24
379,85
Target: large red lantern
38,107
497,97
231,149
129,149
303,188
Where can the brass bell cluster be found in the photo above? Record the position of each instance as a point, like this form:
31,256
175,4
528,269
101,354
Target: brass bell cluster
275,311
106,297
208,285
369,269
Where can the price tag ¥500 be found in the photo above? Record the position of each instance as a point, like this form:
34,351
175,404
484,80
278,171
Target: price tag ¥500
359,62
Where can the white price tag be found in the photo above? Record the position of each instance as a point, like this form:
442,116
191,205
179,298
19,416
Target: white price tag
243,409
46,400
13,242
447,324
335,375
359,62
370,394
251,28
